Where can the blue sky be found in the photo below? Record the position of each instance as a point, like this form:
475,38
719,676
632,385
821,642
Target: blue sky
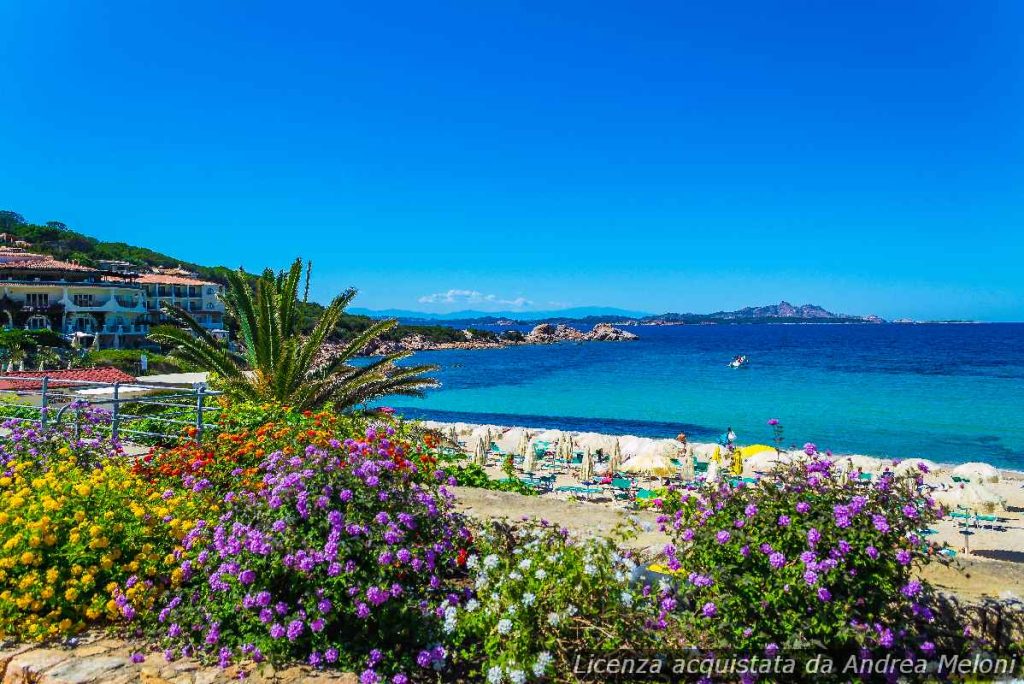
658,156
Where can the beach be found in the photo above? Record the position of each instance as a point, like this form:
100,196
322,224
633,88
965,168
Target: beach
987,551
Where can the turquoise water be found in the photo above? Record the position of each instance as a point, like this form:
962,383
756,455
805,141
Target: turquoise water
946,392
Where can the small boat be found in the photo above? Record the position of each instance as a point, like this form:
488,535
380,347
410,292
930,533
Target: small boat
739,361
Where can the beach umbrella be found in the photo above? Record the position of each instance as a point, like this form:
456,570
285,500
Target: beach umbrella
761,462
713,474
863,463
648,464
529,461
616,458
977,472
913,467
480,453
511,440
754,449
587,467
971,496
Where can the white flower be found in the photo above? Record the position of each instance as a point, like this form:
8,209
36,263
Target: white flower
514,576
620,576
494,675
590,569
472,561
471,605
491,561
543,661
627,599
504,626
529,598
525,564
663,585
511,609
541,573
517,676
571,610
481,582
449,612
554,619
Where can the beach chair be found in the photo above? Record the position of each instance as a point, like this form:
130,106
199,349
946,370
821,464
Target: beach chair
621,489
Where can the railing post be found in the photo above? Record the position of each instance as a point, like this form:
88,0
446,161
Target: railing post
115,421
200,395
43,402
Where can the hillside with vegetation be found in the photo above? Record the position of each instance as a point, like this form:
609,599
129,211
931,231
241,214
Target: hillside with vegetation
62,242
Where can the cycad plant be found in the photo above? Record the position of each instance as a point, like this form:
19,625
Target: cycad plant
276,361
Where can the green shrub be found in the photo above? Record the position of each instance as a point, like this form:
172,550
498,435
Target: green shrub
540,596
812,558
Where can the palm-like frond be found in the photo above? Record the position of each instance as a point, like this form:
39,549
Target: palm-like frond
277,362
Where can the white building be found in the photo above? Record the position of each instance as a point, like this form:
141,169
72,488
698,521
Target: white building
40,292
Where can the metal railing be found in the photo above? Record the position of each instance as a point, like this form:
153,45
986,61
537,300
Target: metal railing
53,402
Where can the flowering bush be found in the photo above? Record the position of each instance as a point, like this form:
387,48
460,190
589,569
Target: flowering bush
539,596
812,557
83,539
338,557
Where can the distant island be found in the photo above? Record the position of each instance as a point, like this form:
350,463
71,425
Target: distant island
783,312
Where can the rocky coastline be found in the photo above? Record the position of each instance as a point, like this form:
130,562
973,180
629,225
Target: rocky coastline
545,333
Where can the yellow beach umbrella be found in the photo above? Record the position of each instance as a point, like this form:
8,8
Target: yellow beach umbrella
648,464
748,451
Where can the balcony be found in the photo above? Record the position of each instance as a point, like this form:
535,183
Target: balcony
138,329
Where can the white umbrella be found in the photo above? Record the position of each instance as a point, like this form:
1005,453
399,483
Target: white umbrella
587,467
977,472
480,454
616,458
971,496
913,467
529,462
511,440
761,462
648,464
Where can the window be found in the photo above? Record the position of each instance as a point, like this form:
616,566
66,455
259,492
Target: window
82,299
37,323
41,299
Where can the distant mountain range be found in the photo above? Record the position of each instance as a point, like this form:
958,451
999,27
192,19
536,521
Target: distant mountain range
783,312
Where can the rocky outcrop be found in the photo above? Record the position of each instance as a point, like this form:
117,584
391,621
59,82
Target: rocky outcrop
545,333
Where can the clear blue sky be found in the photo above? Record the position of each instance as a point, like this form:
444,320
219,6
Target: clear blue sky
684,156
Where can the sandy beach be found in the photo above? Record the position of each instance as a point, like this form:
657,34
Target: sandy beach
989,553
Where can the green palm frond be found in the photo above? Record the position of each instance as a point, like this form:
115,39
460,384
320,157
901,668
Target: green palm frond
277,361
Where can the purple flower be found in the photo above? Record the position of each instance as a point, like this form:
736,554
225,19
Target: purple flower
709,610
783,521
776,560
811,577
813,536
824,595
277,630
871,552
880,523
138,657
247,576
802,507
773,421
810,448
723,537
903,557
750,511
912,589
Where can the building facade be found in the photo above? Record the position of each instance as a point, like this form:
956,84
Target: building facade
108,308
40,292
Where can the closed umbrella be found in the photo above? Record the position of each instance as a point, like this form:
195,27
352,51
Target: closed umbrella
616,459
587,467
529,461
480,455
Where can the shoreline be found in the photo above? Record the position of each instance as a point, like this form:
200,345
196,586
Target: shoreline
702,450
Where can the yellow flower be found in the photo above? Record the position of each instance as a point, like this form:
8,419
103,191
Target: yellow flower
83,490
27,557
71,594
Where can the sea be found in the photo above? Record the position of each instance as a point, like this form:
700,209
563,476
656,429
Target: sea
948,392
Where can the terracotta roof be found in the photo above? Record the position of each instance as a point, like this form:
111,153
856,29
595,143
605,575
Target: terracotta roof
78,375
45,264
165,279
